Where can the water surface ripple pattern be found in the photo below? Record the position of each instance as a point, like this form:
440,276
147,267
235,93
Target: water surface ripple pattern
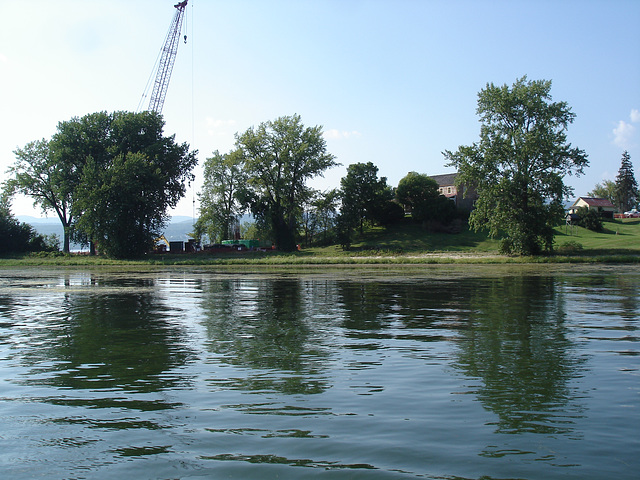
448,372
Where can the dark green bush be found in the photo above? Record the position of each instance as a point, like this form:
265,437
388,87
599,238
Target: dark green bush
570,246
590,219
18,237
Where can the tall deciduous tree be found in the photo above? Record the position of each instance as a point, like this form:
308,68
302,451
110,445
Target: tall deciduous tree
626,190
280,156
131,177
222,196
48,179
519,164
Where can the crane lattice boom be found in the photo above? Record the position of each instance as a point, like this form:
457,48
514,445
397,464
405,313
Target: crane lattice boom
167,59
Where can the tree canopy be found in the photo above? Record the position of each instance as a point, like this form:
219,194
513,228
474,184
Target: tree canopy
419,194
130,181
364,195
223,195
606,189
109,177
279,157
519,164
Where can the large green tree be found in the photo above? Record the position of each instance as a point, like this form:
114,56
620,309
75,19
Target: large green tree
132,174
222,199
48,179
519,164
626,189
280,156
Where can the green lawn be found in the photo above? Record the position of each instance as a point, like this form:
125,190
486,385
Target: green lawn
619,236
410,238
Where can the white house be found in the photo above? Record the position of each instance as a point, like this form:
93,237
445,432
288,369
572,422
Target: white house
601,205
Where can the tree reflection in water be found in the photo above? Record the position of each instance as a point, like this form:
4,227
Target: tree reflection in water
516,343
509,332
266,326
120,337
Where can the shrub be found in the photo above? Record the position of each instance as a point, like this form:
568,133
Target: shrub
390,212
570,246
506,246
18,237
590,219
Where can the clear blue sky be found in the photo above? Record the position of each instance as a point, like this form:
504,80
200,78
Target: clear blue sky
393,82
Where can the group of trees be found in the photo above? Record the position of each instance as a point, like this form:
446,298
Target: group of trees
517,169
266,175
110,178
623,193
369,199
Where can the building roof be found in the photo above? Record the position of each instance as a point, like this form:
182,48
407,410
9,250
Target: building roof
445,180
596,202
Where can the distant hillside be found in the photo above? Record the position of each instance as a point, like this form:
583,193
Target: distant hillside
37,221
177,230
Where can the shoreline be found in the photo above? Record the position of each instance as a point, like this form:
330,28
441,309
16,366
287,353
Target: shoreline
318,261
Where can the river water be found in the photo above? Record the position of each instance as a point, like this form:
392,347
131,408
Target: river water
442,372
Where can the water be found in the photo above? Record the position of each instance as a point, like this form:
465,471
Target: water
441,373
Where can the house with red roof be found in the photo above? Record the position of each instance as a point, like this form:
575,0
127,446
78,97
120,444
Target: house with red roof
602,205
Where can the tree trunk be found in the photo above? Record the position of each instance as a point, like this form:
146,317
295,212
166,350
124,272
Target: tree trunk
66,241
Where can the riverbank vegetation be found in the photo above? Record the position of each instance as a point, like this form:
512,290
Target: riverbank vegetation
398,244
112,178
109,177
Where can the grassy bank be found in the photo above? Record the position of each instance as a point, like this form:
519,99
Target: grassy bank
398,245
621,236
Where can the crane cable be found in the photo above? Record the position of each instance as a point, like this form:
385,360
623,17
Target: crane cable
193,128
147,88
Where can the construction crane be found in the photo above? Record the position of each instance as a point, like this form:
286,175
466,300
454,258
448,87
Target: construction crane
167,59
